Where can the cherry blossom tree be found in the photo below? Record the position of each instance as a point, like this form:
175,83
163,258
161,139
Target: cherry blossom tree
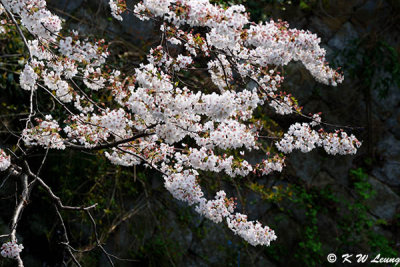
157,117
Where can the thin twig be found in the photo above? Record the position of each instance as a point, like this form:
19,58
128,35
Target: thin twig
65,235
97,237
18,29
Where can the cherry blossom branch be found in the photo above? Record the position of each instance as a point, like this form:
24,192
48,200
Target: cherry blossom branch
83,93
331,124
109,145
154,96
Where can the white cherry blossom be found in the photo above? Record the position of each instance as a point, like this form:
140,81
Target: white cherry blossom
4,160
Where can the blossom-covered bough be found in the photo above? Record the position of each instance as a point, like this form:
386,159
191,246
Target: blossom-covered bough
159,118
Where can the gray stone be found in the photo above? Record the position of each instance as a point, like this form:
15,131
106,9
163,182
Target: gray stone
371,9
305,165
389,151
389,173
368,10
321,28
193,261
262,261
156,182
322,180
138,31
338,166
393,123
387,104
328,232
301,83
385,202
214,235
178,232
255,205
346,34
66,5
297,211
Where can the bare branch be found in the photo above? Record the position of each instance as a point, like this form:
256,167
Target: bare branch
109,145
65,235
53,196
97,237
17,213
18,29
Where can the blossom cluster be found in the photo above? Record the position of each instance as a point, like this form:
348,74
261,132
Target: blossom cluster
340,142
252,232
130,153
4,160
117,8
184,186
216,210
301,136
92,130
11,249
28,78
205,160
45,134
270,43
271,164
35,17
